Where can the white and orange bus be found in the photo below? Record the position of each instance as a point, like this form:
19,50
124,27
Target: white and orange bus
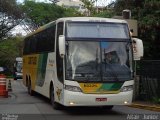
81,61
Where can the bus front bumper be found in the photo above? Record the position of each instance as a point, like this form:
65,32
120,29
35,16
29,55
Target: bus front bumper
81,99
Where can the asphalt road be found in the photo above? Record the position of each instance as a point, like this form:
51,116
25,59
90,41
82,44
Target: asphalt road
21,106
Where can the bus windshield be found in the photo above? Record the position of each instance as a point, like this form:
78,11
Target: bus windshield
98,52
97,61
97,30
19,67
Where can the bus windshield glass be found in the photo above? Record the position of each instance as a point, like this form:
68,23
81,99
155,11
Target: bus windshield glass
97,30
98,61
101,59
19,67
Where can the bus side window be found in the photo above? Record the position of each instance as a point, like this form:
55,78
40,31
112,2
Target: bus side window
27,46
59,60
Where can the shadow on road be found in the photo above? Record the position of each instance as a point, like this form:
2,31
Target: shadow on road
81,110
89,111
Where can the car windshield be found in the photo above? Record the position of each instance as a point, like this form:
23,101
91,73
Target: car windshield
98,61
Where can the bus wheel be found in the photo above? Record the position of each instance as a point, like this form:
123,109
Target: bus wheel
30,91
55,105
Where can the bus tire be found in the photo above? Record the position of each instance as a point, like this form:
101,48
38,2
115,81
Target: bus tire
30,91
55,105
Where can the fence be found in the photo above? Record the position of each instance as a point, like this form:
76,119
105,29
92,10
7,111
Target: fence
149,84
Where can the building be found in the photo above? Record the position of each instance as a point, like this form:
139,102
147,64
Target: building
72,4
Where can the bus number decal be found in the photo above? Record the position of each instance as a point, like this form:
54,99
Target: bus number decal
90,85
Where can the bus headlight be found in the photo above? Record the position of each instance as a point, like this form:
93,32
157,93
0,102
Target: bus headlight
126,88
73,88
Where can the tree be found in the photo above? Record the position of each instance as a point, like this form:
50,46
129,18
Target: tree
54,1
38,14
89,4
105,13
10,16
72,12
9,50
149,28
92,7
146,12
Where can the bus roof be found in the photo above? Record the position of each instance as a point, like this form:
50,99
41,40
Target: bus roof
80,19
91,19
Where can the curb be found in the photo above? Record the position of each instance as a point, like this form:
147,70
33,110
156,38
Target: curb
147,107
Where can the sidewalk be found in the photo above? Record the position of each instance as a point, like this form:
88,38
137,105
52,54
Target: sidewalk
146,105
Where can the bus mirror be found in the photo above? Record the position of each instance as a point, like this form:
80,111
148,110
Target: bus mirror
137,48
62,45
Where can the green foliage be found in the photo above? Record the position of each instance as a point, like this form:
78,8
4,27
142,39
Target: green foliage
42,13
105,14
156,100
10,16
9,50
89,4
71,12
147,13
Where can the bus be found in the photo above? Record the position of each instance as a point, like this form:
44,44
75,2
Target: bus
17,74
81,61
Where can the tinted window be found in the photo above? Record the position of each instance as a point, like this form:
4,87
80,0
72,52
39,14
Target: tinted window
43,41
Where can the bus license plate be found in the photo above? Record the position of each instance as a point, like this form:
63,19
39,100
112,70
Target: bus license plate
101,99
